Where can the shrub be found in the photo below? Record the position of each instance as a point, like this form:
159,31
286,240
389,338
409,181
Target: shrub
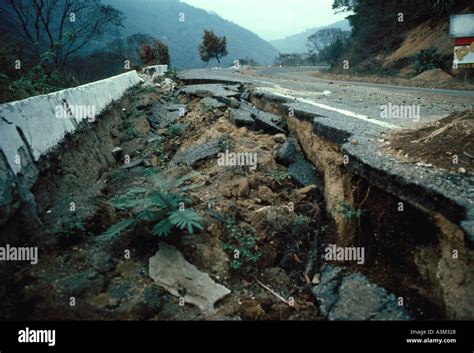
174,130
427,59
36,82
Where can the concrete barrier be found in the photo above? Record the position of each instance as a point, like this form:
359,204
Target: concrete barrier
158,70
39,123
33,127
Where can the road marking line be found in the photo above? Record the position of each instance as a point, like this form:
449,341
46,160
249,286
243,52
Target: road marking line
340,111
349,113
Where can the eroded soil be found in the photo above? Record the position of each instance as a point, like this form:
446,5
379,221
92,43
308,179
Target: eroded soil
445,144
87,272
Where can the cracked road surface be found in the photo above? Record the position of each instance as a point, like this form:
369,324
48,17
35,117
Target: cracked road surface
354,99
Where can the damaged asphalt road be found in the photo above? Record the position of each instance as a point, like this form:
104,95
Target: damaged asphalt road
121,270
349,114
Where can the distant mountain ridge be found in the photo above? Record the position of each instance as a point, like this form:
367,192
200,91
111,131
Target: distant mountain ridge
181,26
296,43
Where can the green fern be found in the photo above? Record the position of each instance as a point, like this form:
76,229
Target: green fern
118,228
164,200
147,215
163,228
161,207
186,219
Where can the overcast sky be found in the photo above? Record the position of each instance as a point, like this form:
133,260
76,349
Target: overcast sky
273,19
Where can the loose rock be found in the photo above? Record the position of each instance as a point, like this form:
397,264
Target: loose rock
351,296
170,270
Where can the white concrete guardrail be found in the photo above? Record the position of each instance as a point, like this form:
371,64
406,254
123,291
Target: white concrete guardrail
158,70
42,122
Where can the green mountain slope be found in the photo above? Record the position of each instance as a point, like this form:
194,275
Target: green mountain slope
161,19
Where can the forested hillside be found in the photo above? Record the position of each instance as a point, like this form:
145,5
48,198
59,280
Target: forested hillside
49,45
415,35
181,26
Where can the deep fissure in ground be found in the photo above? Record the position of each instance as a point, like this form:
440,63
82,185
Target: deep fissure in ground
279,226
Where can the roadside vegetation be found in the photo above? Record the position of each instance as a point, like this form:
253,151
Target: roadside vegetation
362,53
44,56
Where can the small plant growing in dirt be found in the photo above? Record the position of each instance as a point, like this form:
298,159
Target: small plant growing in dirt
165,209
163,157
71,230
441,7
241,244
174,130
227,144
348,212
170,210
279,175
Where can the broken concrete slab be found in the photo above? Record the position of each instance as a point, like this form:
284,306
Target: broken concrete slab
212,90
199,152
241,118
170,270
351,296
246,95
234,103
158,69
172,107
211,103
267,122
280,138
256,119
153,138
301,170
161,116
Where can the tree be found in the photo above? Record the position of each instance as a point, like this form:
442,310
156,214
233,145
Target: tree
325,38
441,7
379,26
328,44
156,53
147,54
212,47
60,28
161,52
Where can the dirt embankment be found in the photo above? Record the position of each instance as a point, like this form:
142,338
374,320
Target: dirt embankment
436,78
446,143
433,33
